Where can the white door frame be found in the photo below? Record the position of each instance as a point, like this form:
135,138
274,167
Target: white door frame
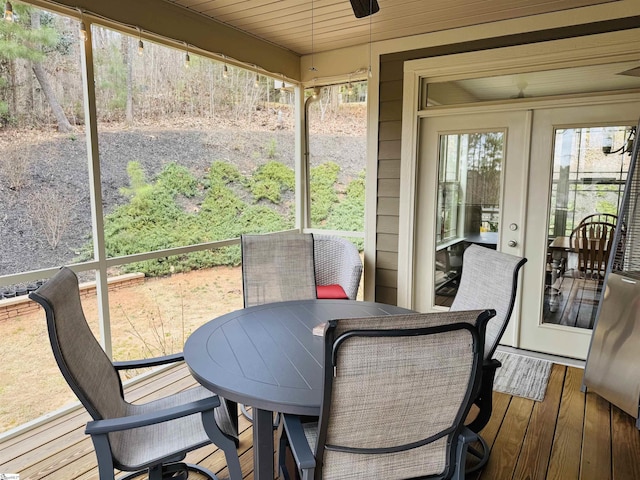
596,49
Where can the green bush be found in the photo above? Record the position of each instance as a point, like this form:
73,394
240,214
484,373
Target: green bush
223,173
153,218
221,206
177,179
261,219
323,179
270,181
349,213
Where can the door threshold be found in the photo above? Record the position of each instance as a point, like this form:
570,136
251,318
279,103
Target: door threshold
569,362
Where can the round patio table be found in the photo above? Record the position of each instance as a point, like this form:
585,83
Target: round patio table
267,356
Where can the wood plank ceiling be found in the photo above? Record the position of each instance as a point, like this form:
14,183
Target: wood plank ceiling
288,23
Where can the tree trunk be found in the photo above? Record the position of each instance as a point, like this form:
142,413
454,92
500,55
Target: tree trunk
63,123
128,64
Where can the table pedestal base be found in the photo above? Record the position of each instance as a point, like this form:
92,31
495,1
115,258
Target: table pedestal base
263,467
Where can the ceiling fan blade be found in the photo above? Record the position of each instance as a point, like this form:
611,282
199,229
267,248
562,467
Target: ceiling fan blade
634,72
364,8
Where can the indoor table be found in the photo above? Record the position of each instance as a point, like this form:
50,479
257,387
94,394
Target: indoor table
267,356
484,239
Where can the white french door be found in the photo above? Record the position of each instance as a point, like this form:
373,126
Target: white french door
471,175
559,135
523,218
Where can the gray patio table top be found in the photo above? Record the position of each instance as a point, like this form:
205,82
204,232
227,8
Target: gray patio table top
266,356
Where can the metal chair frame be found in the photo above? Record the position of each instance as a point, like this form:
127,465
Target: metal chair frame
64,286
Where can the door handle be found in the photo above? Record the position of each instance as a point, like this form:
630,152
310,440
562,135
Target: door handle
512,243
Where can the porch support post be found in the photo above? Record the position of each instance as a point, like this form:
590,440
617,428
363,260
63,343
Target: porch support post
95,190
302,215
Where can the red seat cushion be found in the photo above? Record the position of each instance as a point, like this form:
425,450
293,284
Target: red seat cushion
331,292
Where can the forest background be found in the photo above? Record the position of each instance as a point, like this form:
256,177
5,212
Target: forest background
209,148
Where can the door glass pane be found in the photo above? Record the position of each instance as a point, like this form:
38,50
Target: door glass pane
468,208
589,172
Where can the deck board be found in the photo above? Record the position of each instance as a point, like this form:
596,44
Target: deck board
625,446
596,450
567,443
533,460
509,440
568,436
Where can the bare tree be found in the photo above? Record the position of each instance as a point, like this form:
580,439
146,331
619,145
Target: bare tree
51,211
14,164
43,78
128,65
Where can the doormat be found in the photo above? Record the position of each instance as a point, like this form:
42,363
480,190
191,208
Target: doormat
522,376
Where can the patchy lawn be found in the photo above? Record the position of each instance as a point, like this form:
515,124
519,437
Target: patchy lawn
146,320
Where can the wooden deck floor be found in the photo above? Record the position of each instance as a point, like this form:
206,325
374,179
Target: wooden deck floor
568,436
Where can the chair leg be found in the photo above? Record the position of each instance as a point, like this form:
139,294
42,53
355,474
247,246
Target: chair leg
156,472
225,443
172,471
248,416
245,412
281,452
479,456
103,456
228,412
464,446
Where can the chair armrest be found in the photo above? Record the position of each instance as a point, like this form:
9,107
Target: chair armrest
483,397
350,272
148,362
490,366
467,436
135,421
298,442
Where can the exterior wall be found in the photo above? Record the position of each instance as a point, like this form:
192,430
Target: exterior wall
390,128
388,202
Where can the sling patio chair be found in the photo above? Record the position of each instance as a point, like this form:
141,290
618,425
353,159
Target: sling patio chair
276,268
489,280
152,437
396,392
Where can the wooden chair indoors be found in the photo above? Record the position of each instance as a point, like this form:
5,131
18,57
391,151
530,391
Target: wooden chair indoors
592,241
600,217
618,259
